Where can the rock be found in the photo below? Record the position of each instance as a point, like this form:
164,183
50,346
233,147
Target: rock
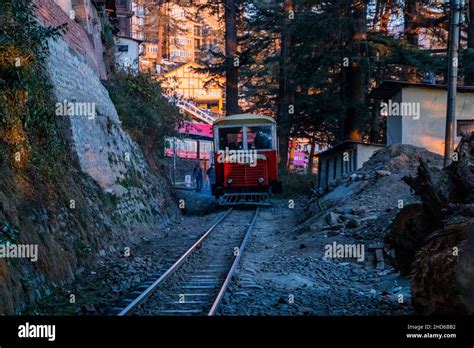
352,223
306,310
369,218
333,233
344,211
396,289
383,173
347,217
332,218
119,190
359,211
89,308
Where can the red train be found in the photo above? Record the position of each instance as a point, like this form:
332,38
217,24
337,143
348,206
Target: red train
245,156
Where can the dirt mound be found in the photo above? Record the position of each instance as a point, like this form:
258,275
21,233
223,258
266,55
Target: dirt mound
376,192
401,158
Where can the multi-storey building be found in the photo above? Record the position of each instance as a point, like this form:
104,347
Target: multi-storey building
174,34
123,11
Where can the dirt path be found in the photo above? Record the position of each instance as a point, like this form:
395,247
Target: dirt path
283,272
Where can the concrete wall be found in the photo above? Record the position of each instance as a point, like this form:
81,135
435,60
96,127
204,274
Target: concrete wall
429,130
364,152
102,149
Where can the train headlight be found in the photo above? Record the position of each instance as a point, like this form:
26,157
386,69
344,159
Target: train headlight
261,180
229,181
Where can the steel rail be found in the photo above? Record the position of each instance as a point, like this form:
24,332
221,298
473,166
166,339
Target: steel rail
233,268
145,294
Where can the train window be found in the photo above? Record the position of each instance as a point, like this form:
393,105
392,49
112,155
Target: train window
259,137
231,138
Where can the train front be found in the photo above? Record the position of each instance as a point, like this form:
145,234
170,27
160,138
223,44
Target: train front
245,156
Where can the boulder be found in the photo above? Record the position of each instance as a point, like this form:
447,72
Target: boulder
332,218
383,173
352,223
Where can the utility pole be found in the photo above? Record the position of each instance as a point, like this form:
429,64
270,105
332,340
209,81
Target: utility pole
452,79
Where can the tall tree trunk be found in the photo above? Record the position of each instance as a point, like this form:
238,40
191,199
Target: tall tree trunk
411,13
356,74
470,40
284,90
385,19
374,129
231,59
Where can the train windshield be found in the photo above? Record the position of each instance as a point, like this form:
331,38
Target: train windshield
231,138
259,137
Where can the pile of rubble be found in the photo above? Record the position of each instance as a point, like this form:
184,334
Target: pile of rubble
366,202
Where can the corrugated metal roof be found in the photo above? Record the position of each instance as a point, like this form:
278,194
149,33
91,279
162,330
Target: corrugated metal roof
345,145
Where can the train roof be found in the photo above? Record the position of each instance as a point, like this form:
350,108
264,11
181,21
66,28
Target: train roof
241,119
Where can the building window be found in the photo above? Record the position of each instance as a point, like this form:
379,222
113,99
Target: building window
122,48
197,31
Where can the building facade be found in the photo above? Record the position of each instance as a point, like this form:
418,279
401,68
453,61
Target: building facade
173,34
127,52
416,113
186,83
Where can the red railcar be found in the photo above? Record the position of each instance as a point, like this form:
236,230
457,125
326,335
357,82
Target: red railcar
245,155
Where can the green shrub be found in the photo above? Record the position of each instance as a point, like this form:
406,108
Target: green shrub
28,124
298,184
144,111
8,233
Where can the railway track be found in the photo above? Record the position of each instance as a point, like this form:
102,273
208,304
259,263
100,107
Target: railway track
196,282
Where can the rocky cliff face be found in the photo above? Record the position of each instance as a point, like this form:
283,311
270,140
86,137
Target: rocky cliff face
108,196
